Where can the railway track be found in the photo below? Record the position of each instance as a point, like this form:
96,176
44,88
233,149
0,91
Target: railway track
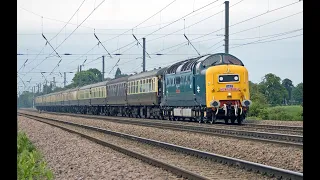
259,168
294,130
278,127
284,139
248,125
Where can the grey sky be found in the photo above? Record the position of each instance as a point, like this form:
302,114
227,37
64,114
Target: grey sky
282,57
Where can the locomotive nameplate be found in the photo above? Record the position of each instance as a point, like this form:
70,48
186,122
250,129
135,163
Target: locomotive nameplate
229,87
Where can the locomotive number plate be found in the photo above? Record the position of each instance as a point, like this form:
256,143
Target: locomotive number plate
229,87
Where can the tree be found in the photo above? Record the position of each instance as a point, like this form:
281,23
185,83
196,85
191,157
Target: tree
25,100
297,93
255,95
287,83
272,89
46,89
84,78
96,72
118,74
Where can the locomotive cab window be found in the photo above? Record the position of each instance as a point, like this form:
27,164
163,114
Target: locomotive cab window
232,60
212,60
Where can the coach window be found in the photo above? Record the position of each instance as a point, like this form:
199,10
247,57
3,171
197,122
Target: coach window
147,85
136,87
152,86
145,89
132,87
116,90
129,88
124,89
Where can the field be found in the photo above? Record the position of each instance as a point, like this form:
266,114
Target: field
284,113
30,164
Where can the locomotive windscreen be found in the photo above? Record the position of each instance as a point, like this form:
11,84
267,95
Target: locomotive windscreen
229,78
227,59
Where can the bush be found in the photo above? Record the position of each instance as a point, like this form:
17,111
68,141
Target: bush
256,109
288,113
30,164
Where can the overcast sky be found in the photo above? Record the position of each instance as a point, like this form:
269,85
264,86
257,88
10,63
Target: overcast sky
269,43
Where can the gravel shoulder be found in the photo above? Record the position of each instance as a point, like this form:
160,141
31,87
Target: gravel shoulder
73,157
285,157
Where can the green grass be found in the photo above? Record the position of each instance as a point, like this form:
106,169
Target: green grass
284,113
30,164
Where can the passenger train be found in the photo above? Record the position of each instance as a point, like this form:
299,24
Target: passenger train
204,89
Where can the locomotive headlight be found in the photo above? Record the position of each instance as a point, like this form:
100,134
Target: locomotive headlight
236,78
229,94
221,78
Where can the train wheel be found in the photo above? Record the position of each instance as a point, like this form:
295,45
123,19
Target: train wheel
226,120
233,120
240,120
213,118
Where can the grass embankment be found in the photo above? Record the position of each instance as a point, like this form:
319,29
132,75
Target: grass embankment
284,113
30,164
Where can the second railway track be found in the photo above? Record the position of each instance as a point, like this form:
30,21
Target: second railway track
284,139
263,169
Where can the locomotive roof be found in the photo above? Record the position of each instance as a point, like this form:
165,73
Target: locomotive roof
183,65
220,59
207,60
146,74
